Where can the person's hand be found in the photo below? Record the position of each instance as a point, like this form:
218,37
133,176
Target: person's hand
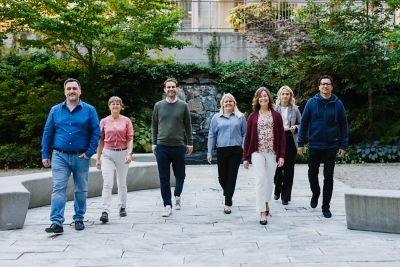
209,159
281,161
128,159
98,164
341,152
153,149
189,150
293,129
300,151
46,163
83,156
246,164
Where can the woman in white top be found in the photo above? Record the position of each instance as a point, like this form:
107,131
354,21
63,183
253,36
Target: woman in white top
286,106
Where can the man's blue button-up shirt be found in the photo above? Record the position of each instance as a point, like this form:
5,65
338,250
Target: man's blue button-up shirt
226,131
78,130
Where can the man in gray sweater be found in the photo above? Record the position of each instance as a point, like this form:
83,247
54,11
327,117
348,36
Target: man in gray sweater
172,137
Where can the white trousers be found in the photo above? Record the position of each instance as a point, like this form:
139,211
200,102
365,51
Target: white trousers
264,166
112,161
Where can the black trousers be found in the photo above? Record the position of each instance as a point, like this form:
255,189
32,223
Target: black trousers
283,178
327,157
229,159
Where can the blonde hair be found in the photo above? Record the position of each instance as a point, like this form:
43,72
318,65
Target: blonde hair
235,108
256,106
115,99
292,101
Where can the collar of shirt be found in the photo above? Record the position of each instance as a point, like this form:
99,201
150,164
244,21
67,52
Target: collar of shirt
221,114
64,104
169,101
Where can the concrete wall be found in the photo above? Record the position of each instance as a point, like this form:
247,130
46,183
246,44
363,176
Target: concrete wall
234,47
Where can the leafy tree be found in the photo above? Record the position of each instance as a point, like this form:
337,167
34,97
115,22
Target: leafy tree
93,32
340,38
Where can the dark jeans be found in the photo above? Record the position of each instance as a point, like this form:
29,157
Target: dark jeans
166,155
229,159
284,175
327,157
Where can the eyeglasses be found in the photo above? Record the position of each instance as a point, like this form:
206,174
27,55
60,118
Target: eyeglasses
325,84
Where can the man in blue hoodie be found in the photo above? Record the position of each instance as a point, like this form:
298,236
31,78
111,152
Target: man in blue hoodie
324,119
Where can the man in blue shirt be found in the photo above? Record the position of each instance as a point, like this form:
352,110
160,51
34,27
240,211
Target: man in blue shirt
324,119
72,131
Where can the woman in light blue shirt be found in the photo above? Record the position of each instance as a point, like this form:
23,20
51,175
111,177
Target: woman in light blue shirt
227,131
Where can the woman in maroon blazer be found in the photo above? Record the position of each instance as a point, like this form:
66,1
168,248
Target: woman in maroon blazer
264,145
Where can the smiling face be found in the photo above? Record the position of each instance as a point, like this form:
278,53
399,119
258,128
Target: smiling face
115,107
263,100
228,104
170,90
325,88
72,92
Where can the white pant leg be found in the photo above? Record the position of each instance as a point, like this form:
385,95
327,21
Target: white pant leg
264,166
107,170
271,168
122,170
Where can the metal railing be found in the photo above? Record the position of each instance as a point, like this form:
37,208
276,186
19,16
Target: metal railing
212,15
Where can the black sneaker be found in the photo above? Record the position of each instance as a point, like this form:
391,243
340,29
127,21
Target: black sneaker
276,197
314,201
122,212
104,217
284,202
79,226
54,228
327,213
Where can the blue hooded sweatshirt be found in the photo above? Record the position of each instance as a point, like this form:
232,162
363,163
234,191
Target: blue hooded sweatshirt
325,122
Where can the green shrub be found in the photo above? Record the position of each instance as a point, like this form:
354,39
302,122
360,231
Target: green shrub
20,156
371,152
379,152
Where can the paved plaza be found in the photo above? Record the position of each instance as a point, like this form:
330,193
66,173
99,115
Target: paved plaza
201,234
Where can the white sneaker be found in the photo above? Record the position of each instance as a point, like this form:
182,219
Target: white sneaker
167,211
177,203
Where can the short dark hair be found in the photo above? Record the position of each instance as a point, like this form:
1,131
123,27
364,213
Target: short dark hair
170,80
69,80
325,77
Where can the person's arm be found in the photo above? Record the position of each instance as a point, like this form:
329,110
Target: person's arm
188,131
303,128
243,127
129,143
297,123
94,134
246,143
98,155
344,131
154,129
47,139
282,139
212,136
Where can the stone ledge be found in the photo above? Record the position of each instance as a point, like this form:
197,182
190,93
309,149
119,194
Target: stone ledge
20,192
373,210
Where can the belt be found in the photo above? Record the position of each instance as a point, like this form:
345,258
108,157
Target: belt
69,151
118,149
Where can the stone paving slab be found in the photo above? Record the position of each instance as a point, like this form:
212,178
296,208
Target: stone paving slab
201,234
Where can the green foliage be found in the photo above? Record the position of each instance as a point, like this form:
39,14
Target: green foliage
371,152
141,123
379,152
20,156
94,32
